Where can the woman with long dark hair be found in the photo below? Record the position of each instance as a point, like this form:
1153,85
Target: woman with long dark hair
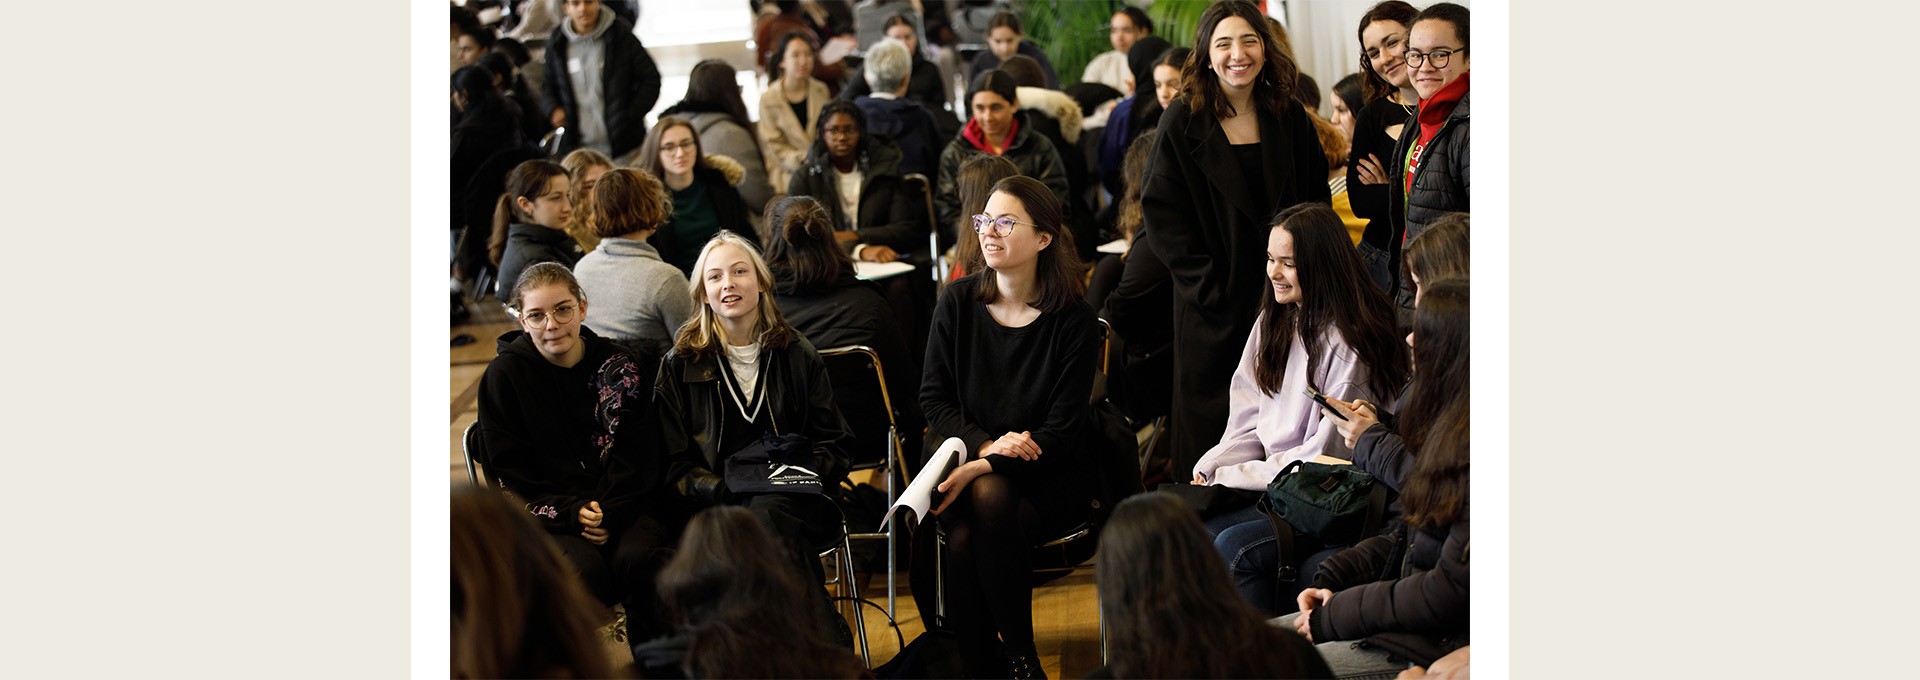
1421,613
719,118
789,107
1172,613
1233,150
738,608
1010,365
1388,99
1321,329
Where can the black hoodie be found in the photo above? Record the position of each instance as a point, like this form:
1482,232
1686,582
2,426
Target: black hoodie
559,437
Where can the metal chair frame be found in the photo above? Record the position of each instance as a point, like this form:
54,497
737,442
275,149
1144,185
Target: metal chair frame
894,455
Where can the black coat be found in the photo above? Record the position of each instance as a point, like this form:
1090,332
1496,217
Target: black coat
1210,229
630,82
688,403
891,213
1030,152
728,207
923,86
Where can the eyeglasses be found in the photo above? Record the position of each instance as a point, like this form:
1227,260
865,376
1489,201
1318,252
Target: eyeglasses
1002,226
562,315
1439,57
670,148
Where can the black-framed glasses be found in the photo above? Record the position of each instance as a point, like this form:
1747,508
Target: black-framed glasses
676,146
561,315
1439,57
1002,226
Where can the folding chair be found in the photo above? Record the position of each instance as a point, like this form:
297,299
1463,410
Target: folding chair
935,263
860,390
474,450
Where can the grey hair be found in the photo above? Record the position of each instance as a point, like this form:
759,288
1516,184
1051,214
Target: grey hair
888,63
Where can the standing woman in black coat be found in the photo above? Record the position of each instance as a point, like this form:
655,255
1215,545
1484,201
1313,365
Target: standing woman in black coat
1379,122
1233,150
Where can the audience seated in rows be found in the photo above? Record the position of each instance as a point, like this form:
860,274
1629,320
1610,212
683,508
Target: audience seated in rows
925,85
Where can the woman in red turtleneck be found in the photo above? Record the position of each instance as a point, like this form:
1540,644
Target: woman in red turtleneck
1429,171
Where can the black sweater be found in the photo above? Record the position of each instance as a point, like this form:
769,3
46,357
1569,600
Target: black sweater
1370,137
559,437
984,380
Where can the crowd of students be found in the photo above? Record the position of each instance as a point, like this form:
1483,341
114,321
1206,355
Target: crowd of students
662,416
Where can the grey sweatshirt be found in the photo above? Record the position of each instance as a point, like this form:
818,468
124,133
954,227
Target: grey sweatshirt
586,62
632,295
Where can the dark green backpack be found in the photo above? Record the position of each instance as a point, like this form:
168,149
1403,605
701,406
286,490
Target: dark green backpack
1322,504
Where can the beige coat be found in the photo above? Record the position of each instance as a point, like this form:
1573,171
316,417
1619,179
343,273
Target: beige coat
782,138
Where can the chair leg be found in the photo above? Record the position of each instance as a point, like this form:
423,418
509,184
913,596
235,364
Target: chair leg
859,621
893,449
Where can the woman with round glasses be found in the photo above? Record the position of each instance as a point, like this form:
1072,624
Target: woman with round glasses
1009,368
1233,150
704,201
1387,103
1429,173
566,420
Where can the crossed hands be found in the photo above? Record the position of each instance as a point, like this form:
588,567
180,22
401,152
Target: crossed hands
591,517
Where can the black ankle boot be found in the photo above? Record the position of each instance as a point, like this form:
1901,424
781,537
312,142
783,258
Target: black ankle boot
1023,666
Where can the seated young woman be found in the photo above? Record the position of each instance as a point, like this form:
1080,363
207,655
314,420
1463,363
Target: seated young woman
530,222
1009,369
1422,612
815,288
567,426
856,178
1192,626
641,300
740,377
1440,252
704,202
738,609
1321,328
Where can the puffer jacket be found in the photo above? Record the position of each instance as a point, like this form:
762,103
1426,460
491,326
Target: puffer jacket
1429,599
890,210
1441,183
630,83
689,402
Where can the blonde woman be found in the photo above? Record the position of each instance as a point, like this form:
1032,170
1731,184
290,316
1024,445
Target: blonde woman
738,377
584,168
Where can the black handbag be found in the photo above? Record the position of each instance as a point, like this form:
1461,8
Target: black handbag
1328,505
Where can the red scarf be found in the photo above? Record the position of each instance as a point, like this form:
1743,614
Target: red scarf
978,137
1433,115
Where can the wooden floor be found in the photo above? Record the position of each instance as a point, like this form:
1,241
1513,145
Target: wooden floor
1065,620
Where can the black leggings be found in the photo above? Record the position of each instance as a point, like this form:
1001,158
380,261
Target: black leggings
623,570
990,531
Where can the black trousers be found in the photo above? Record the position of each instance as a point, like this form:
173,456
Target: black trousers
623,570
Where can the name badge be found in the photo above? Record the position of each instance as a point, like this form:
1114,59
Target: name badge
573,66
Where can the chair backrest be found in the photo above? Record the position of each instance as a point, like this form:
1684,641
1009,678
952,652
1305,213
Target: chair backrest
936,265
860,391
474,449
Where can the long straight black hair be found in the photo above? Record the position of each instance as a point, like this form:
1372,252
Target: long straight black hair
1433,422
1335,292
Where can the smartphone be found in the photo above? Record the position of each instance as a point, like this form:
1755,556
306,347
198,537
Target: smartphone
1321,399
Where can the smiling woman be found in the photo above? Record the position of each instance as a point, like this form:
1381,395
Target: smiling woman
1231,152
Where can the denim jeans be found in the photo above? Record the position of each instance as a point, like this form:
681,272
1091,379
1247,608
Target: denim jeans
1349,659
1245,540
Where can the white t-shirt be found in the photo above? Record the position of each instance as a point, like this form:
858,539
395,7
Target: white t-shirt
849,194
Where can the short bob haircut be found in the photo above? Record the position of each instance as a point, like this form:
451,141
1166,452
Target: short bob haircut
888,65
702,334
1397,12
544,274
628,201
1059,278
650,150
1273,88
801,250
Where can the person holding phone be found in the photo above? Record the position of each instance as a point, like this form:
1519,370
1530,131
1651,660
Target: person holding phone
1321,328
